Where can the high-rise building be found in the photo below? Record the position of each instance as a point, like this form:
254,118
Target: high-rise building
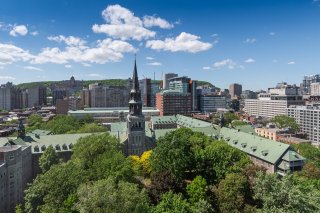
210,102
248,94
58,93
308,118
155,88
315,89
10,97
235,90
135,144
146,92
275,102
15,173
166,78
172,102
37,96
305,86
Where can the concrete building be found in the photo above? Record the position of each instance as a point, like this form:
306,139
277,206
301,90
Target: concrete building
210,103
108,96
273,103
15,173
37,96
305,86
166,78
10,97
172,102
308,118
235,90
58,93
315,89
248,94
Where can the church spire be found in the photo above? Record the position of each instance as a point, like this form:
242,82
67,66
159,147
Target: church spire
135,76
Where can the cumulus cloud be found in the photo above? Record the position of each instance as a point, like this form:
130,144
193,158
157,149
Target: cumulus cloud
105,51
86,65
291,62
10,53
70,40
184,42
32,68
228,63
68,66
249,61
155,63
121,23
250,40
152,21
19,30
149,58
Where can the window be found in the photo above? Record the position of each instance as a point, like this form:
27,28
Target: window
11,156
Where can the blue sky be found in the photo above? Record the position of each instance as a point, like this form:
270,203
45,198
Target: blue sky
255,43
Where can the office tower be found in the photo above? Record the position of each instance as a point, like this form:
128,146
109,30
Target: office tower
166,78
58,93
315,89
307,81
10,97
171,102
211,102
37,96
235,90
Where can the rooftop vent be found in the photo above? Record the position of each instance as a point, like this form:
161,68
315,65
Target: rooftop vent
43,148
235,141
264,152
244,145
253,148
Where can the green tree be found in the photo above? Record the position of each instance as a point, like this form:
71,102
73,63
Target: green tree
35,122
231,193
219,159
109,196
286,194
284,121
91,128
236,123
235,105
310,152
197,190
229,117
48,158
172,203
62,124
177,152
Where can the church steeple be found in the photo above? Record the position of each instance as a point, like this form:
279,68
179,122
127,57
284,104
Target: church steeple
135,79
135,104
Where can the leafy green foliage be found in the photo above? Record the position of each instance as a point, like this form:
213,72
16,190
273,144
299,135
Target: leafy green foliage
235,105
286,195
95,157
62,124
284,121
232,192
171,202
310,152
229,117
197,190
35,122
236,123
48,158
109,196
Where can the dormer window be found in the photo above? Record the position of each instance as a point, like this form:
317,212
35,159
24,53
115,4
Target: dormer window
235,141
264,152
244,145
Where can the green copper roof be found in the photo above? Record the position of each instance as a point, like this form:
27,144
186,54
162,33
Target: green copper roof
265,149
163,119
292,156
246,129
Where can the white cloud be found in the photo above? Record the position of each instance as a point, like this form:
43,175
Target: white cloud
10,53
184,42
70,40
34,33
86,65
230,64
152,21
32,68
121,23
68,66
250,40
291,62
149,58
105,51
249,60
155,63
272,33
19,30
206,68
5,77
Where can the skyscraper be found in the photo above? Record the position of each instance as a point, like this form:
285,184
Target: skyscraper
235,90
166,78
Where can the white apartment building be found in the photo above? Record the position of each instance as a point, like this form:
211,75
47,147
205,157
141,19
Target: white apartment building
275,102
315,89
308,117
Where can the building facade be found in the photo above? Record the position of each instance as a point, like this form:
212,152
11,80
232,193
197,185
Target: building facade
308,118
210,103
166,78
171,102
37,96
235,90
10,97
305,86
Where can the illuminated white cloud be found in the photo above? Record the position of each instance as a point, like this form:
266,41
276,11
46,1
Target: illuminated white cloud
185,42
32,68
206,68
68,66
228,63
249,61
70,40
149,58
34,33
291,62
17,30
10,53
155,63
250,40
152,21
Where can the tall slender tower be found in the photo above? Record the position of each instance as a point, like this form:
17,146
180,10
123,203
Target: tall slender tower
135,119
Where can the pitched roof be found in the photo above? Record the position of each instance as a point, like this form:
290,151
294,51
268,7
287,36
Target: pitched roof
265,149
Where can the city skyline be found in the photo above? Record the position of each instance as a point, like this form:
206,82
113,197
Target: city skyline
256,44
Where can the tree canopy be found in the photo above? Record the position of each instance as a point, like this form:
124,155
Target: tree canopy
284,121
